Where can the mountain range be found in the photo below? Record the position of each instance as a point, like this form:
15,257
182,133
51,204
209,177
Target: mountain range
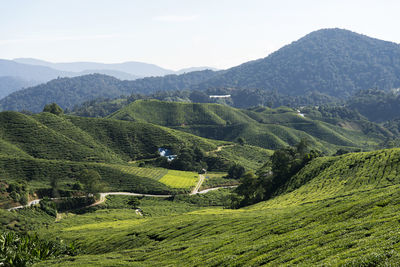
27,72
331,62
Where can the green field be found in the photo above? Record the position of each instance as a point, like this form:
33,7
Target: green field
180,179
152,173
171,178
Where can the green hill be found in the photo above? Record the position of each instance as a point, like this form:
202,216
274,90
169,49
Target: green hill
51,137
72,138
264,127
338,211
346,174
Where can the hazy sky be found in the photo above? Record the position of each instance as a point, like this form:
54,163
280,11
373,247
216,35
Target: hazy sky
181,33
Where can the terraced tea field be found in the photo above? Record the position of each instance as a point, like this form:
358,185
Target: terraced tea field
180,179
171,178
153,173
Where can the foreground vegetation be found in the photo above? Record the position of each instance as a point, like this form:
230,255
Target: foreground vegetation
335,211
356,229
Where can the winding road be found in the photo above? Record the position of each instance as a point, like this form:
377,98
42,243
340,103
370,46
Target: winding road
198,185
104,195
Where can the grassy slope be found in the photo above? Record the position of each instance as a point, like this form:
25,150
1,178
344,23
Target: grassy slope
355,222
39,171
251,157
133,140
87,139
268,128
39,147
41,141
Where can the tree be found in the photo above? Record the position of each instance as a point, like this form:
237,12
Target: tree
250,188
53,108
134,202
91,180
302,147
241,141
236,171
54,183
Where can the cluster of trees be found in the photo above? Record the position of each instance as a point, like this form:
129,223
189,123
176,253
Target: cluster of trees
236,171
273,176
193,159
377,105
53,108
18,192
90,181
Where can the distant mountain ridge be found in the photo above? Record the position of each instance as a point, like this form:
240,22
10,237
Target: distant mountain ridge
30,72
330,62
137,69
68,92
10,84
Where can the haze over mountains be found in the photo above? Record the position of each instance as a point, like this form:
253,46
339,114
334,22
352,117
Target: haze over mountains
27,72
332,62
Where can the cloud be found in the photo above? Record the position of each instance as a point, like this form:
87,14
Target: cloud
171,18
57,39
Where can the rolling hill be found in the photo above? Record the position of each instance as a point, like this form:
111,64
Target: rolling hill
48,136
37,148
264,127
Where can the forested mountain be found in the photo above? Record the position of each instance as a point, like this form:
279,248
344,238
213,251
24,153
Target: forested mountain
376,105
15,75
68,92
264,127
331,61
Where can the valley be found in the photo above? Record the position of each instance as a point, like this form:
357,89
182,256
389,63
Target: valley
298,164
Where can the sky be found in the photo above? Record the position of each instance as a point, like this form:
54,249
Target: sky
177,34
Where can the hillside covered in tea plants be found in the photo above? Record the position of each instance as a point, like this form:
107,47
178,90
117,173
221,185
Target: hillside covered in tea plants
338,210
261,126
